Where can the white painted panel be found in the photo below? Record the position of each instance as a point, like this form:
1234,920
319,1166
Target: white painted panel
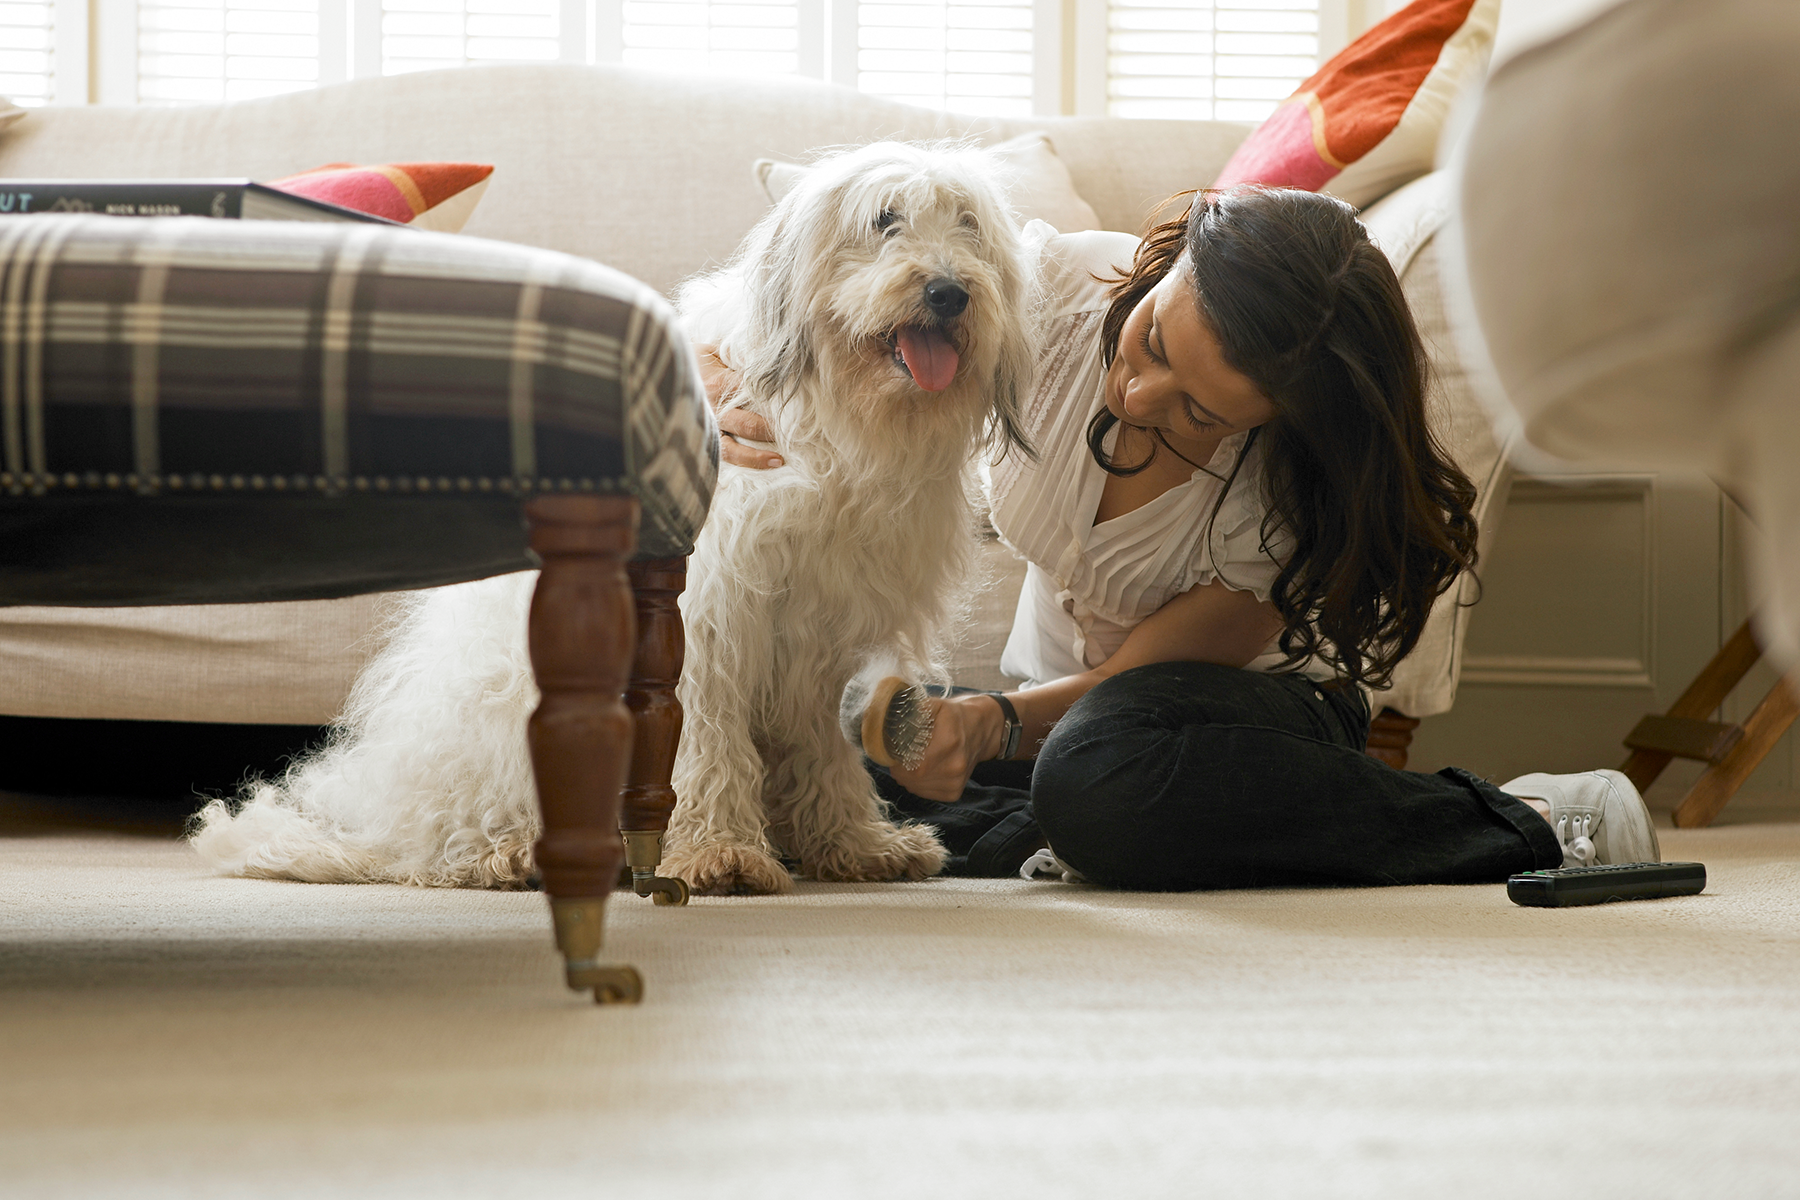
1573,591
1570,593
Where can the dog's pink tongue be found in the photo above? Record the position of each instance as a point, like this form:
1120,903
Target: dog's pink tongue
929,356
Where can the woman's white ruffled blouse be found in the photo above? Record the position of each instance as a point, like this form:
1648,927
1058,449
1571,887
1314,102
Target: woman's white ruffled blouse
1087,586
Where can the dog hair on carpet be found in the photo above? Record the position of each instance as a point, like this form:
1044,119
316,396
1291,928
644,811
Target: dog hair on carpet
880,318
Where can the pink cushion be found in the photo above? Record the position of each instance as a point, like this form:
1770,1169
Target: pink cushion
431,195
1368,120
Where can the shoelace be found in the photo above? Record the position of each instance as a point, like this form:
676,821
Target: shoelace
1577,837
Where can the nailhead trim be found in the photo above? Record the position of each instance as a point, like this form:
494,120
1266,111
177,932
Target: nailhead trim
18,483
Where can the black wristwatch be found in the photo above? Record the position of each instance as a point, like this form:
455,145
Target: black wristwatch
1015,728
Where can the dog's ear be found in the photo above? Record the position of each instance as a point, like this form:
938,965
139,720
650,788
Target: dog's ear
1007,429
774,320
709,305
1015,366
751,307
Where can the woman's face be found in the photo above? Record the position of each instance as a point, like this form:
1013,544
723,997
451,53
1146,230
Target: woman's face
1170,375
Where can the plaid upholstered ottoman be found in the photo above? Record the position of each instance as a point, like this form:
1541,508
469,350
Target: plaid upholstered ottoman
200,411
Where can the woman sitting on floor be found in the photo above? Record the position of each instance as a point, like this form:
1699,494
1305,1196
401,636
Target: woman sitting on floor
1236,525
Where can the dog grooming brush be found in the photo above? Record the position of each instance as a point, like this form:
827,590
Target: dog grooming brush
888,717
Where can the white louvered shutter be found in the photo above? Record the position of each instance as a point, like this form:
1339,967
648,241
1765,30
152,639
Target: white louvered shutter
28,51
1197,59
1232,60
197,51
968,55
423,35
733,37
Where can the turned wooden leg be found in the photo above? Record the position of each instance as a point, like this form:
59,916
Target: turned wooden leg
655,670
1390,737
581,640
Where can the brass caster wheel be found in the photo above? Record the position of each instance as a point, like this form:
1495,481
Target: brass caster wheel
667,893
661,889
611,985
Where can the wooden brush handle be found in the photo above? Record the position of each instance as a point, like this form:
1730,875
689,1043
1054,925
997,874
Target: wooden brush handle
874,721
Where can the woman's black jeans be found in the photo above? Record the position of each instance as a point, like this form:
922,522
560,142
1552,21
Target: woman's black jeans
1178,776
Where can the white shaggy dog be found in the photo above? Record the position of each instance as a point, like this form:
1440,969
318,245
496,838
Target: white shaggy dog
879,318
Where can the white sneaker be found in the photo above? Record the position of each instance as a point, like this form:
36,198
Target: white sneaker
1045,865
1598,816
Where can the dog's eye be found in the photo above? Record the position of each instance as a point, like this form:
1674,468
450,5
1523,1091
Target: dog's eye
968,221
885,223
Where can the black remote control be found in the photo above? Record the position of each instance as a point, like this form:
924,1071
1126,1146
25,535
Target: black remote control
1598,885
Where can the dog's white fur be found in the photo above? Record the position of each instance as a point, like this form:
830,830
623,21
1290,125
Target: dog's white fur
859,546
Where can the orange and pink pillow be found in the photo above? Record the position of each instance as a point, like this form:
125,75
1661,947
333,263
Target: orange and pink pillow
1369,119
438,196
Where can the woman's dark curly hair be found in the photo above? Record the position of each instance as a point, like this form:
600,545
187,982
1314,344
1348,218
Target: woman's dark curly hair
1310,311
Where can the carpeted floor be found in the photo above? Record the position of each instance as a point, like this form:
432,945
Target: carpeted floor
167,1033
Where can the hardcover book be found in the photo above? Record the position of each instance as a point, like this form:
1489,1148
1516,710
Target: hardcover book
224,198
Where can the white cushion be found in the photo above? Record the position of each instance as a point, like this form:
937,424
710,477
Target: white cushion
1037,182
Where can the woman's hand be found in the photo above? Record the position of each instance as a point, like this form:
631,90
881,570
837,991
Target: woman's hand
721,383
1208,623
967,730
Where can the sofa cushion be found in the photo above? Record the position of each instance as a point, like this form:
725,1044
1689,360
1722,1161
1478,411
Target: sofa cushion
639,170
1406,225
1369,120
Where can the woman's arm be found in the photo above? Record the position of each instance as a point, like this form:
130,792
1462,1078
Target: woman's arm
721,383
1208,623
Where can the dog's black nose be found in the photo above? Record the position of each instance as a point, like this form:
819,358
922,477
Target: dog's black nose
945,298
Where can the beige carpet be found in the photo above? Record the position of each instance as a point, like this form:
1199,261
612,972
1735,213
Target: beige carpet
167,1033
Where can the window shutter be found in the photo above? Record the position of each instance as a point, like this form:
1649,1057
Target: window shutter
1195,59
737,37
28,52
1231,60
200,51
968,55
423,35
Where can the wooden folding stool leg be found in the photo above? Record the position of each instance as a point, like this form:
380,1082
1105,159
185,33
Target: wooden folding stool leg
1731,752
1761,730
581,633
648,799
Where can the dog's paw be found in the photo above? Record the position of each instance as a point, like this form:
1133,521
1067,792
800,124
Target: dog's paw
728,869
879,854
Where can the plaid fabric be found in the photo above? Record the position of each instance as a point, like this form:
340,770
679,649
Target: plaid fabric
256,360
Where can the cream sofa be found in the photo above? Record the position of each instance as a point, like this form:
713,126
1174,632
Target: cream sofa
651,174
